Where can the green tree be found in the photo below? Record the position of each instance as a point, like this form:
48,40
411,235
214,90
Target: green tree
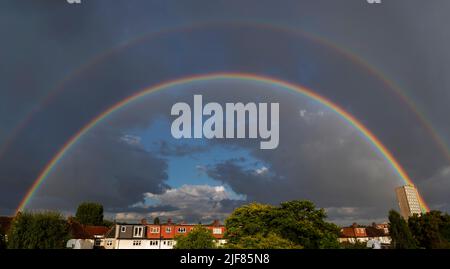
303,224
401,235
445,228
431,230
258,241
156,221
415,226
90,214
296,221
198,238
248,220
45,230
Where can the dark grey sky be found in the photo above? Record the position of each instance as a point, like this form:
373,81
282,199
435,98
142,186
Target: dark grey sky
48,45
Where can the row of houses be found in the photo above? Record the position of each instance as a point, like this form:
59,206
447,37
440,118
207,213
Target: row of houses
375,236
5,224
85,236
163,236
128,236
153,236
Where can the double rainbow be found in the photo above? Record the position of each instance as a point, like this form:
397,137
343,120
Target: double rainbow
366,133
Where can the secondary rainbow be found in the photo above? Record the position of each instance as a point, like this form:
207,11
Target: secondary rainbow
366,133
390,85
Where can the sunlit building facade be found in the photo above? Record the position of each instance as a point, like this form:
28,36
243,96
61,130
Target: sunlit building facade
408,201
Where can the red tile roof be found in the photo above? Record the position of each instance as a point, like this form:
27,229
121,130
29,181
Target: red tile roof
353,232
80,231
375,232
96,230
356,231
5,224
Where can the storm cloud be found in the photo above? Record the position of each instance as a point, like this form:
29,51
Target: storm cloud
82,56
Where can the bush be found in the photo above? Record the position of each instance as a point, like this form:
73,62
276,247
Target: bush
271,241
198,238
45,230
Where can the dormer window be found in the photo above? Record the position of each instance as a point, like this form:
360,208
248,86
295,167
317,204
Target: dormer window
138,231
123,229
154,230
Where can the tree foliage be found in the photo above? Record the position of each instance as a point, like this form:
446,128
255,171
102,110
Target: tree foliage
258,241
431,230
198,238
46,230
298,222
402,237
90,214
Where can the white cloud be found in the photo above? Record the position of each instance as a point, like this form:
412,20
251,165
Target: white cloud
180,197
131,139
303,113
310,115
193,202
261,171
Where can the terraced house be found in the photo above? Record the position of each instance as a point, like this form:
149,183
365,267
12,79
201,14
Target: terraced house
154,236
375,234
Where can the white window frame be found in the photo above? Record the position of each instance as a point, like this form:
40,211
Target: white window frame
154,230
181,230
138,231
217,230
123,229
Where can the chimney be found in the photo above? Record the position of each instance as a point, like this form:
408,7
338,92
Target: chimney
169,221
143,221
216,223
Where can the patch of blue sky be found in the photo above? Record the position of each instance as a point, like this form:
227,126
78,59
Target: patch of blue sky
189,159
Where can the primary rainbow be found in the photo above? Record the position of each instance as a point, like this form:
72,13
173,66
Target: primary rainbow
204,77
